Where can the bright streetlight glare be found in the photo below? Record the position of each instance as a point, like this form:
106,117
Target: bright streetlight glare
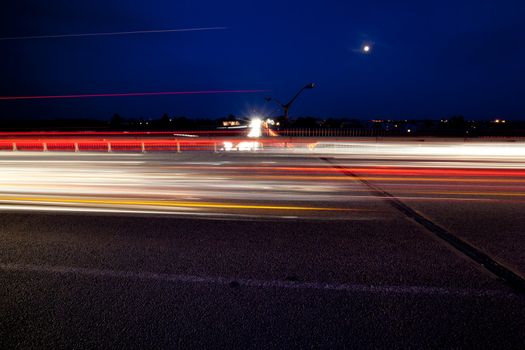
255,128
366,48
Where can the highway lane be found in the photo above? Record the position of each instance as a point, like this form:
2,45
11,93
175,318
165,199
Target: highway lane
176,184
482,203
238,250
479,200
98,281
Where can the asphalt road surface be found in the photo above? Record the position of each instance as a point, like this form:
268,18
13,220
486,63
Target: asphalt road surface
259,251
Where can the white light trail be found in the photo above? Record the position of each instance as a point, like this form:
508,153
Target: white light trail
80,35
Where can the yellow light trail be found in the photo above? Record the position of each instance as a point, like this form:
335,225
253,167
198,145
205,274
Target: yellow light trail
172,204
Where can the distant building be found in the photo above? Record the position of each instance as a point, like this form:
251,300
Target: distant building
230,123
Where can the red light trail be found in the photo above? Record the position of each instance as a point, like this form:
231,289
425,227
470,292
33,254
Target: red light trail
129,94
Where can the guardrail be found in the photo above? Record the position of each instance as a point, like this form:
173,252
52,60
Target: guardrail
331,132
218,144
50,145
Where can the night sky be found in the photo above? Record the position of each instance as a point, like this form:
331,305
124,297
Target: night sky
429,59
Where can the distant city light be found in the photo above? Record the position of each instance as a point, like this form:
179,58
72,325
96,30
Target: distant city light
231,123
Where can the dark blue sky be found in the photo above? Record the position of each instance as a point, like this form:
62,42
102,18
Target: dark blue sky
429,58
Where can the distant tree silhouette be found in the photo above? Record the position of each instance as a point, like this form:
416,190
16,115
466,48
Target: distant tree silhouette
333,123
116,121
305,122
182,123
457,122
352,124
165,121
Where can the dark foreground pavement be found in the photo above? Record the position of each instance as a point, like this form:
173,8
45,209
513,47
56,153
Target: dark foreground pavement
92,281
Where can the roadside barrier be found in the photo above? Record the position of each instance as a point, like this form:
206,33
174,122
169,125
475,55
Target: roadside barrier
131,144
114,145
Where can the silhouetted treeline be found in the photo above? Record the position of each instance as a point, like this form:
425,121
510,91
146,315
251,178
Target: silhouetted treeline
452,126
165,122
116,123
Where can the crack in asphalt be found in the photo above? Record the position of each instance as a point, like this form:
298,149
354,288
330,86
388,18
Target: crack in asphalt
511,278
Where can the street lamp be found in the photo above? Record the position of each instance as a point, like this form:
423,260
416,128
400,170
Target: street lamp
286,106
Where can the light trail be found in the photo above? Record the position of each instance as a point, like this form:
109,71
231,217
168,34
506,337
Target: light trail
255,184
96,135
176,204
146,184
80,35
131,94
384,170
374,178
457,156
472,193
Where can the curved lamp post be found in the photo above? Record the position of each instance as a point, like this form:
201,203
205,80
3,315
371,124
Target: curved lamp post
286,106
